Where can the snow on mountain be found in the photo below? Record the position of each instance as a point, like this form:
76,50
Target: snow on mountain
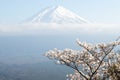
57,14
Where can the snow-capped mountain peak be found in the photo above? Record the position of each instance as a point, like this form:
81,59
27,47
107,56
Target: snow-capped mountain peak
57,14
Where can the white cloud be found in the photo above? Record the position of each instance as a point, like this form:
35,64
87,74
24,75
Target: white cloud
54,29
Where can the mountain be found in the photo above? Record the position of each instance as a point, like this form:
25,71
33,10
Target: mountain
57,14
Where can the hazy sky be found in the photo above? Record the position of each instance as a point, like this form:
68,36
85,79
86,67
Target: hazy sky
97,11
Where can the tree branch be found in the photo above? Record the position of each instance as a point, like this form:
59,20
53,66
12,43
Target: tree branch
106,53
75,67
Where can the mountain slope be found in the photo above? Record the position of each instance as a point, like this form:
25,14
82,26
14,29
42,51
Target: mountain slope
57,14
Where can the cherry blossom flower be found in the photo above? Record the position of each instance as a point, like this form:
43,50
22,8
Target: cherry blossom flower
90,63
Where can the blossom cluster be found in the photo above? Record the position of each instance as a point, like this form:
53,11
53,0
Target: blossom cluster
89,63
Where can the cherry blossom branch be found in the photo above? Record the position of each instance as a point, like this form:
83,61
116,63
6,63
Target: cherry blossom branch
106,53
88,50
75,67
91,57
88,66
